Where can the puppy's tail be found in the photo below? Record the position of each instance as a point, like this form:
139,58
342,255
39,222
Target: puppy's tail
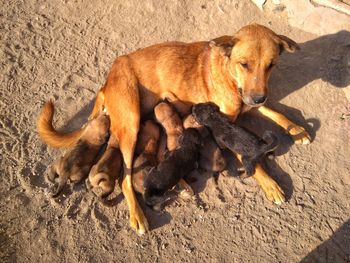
271,142
58,139
49,134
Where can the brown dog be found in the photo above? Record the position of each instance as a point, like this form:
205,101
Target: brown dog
228,71
77,162
103,175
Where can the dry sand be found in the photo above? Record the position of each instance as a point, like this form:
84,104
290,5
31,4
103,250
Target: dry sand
63,50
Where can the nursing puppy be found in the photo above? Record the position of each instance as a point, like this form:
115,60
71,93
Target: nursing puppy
76,163
210,155
177,164
103,175
146,148
169,119
233,137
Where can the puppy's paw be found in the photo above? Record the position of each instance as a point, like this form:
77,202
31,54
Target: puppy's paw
299,135
187,191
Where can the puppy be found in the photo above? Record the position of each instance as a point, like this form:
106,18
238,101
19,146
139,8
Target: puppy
210,155
103,175
76,163
167,116
177,164
233,137
170,120
146,148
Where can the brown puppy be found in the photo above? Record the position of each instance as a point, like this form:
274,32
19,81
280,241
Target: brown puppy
170,120
147,147
76,163
210,155
227,71
103,175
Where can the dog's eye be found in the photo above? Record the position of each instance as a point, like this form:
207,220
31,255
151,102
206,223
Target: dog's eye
270,66
244,65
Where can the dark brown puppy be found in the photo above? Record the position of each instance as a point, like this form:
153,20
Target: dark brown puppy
147,147
177,164
210,155
76,163
168,117
233,137
103,175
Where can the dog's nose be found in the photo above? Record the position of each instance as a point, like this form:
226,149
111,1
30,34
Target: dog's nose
258,99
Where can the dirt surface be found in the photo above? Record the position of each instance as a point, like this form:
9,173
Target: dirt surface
63,50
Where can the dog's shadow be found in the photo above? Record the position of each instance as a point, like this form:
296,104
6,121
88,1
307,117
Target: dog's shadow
335,249
326,58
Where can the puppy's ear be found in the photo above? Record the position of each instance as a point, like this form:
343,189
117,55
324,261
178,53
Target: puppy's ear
225,42
287,44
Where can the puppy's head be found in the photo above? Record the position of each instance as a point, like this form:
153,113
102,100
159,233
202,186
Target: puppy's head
203,111
251,54
97,129
190,136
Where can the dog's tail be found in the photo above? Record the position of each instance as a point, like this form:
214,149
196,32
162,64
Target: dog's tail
271,142
49,134
58,139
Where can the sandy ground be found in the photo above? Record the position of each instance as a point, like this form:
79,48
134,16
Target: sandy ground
63,50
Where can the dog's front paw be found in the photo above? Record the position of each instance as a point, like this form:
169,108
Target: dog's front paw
299,135
138,221
273,192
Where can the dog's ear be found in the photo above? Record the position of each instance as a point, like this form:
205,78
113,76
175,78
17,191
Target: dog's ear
225,42
287,44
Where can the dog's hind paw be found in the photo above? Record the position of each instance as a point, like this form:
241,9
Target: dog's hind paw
299,135
138,221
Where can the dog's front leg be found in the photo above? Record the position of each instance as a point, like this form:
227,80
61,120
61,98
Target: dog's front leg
298,133
272,190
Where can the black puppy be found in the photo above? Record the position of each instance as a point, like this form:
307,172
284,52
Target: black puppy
233,137
176,164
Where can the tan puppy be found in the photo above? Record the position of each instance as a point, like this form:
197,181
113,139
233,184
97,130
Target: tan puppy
76,163
170,120
229,71
103,175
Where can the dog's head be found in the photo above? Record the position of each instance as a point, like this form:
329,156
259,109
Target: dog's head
252,52
202,111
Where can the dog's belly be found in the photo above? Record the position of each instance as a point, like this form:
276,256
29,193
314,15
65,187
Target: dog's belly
148,100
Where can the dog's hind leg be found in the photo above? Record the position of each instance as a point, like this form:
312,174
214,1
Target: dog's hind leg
272,190
122,103
138,220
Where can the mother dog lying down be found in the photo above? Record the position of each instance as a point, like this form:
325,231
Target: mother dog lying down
229,71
